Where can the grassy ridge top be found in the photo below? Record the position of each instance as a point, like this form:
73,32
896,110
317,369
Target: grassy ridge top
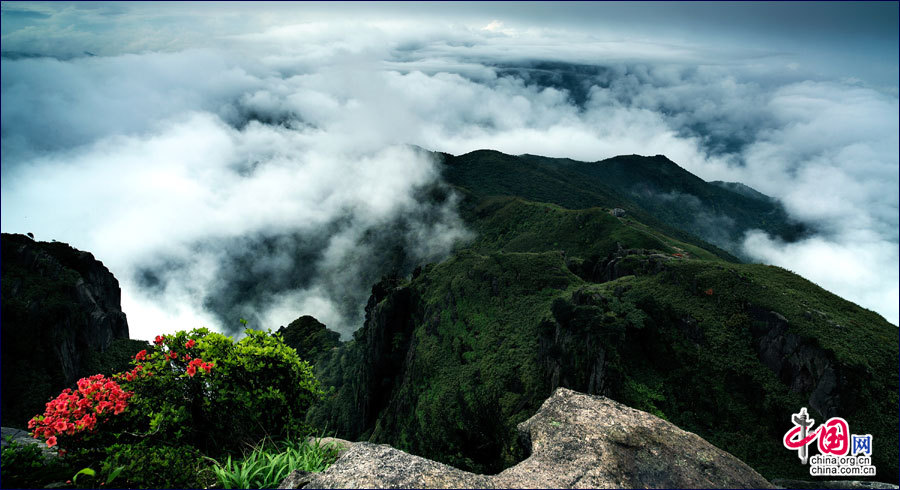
654,190
516,225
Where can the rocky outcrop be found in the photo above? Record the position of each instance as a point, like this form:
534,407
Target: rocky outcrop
576,441
371,367
582,441
59,305
802,364
623,262
367,465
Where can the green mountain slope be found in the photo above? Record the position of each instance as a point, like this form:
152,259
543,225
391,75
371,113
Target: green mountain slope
451,359
655,190
515,225
716,211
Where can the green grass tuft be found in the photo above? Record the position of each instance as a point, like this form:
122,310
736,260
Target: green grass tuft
268,464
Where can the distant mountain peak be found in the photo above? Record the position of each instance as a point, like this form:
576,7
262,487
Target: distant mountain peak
656,191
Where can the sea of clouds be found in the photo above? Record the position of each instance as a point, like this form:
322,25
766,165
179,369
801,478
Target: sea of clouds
259,164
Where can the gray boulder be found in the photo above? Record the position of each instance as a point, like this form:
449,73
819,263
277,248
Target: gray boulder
367,465
20,437
577,441
835,484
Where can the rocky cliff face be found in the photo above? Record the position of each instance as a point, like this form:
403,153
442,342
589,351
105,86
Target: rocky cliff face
574,441
804,365
59,305
369,368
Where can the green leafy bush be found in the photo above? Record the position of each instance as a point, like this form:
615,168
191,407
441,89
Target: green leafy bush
18,456
154,465
19,463
201,388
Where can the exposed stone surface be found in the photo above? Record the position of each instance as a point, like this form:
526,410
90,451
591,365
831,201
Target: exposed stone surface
59,304
577,441
296,479
581,441
22,437
834,484
341,445
367,465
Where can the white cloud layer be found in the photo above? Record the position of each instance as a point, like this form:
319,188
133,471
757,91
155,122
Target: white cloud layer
195,154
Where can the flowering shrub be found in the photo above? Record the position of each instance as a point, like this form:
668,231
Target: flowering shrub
203,389
74,412
188,396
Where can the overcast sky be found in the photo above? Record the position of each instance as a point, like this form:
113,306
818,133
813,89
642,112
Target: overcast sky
189,145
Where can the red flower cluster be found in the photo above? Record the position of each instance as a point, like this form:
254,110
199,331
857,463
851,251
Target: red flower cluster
198,363
130,375
708,292
77,411
193,364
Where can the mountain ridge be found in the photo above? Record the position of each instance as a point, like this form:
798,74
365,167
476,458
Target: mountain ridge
654,189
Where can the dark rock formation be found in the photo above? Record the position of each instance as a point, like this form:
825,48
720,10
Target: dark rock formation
376,362
801,364
59,305
623,262
576,441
